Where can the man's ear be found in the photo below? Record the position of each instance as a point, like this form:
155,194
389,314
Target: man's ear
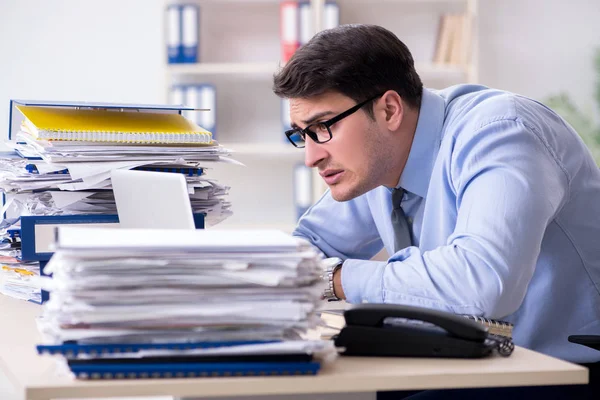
393,109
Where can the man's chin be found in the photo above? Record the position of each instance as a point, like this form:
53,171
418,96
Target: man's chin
343,194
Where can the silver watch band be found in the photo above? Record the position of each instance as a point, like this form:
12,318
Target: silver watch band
329,292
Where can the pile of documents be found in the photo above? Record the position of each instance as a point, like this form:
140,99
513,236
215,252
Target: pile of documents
179,303
68,153
63,157
20,279
35,187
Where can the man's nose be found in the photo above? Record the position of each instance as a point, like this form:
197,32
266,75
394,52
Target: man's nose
314,153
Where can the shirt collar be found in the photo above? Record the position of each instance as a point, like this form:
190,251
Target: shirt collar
425,146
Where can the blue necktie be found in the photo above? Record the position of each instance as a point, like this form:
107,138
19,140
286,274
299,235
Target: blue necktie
402,237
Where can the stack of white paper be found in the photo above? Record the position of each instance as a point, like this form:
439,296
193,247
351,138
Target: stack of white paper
20,279
179,286
74,177
78,151
38,188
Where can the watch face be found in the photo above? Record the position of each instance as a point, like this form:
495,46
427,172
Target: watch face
331,262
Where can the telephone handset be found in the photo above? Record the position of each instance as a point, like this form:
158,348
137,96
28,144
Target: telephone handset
409,331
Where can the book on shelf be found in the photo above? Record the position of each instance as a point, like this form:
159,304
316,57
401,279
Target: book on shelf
333,321
453,43
182,37
290,41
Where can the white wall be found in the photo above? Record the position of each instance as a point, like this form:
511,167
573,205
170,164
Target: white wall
92,50
540,47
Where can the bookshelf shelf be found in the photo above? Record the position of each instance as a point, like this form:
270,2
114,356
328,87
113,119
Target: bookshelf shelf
440,70
269,68
350,2
266,68
265,149
238,59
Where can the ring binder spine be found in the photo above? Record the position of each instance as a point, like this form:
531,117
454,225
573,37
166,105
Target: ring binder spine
196,370
129,137
186,171
72,350
174,34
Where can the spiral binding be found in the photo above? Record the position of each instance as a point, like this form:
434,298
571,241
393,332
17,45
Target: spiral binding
198,370
200,137
192,374
496,327
503,345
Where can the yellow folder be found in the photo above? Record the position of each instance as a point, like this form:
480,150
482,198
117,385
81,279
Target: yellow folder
100,125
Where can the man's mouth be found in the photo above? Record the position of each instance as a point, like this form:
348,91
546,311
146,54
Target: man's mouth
332,176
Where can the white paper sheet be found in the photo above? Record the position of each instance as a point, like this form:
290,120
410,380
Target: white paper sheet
157,240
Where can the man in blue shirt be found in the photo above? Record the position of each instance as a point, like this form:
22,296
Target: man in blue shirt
496,207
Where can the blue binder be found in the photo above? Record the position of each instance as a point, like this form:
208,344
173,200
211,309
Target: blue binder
174,45
187,171
193,370
190,17
203,96
177,96
303,179
74,349
37,233
331,14
286,123
305,28
180,366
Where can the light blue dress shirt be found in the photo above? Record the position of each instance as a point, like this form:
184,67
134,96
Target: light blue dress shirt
504,202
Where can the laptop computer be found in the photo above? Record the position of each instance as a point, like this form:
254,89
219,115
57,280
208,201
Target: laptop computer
154,200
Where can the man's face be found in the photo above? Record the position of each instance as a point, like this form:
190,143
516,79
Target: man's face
357,157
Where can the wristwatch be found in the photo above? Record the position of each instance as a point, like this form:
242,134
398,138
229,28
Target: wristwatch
330,265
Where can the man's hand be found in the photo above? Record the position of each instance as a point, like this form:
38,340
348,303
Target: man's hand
337,284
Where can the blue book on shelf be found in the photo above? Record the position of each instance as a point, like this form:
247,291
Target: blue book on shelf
192,370
303,179
207,99
190,33
177,96
331,14
286,122
174,44
199,96
305,29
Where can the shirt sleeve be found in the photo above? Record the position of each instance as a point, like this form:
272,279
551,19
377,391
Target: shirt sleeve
508,188
341,229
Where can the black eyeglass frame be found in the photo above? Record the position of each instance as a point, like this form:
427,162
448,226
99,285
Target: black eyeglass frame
307,132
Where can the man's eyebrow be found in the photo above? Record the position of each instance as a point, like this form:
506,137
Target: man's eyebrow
316,117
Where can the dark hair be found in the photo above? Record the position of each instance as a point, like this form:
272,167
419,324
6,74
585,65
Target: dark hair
358,61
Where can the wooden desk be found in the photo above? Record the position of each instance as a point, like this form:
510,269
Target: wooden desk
34,376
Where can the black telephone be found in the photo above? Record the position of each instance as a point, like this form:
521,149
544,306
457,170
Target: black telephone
409,331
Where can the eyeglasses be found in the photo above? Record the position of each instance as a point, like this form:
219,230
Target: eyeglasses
320,132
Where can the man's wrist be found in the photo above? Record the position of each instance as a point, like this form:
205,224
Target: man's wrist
338,289
330,268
